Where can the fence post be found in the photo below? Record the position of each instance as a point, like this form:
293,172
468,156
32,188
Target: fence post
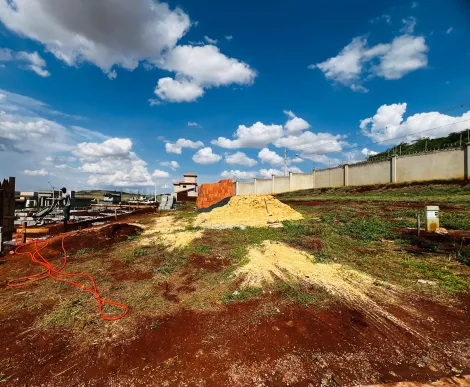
236,188
255,185
290,181
346,175
467,161
272,188
393,169
23,236
1,239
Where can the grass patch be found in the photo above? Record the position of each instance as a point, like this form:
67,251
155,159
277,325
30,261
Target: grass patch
83,251
455,220
241,295
140,252
136,235
424,270
368,229
296,293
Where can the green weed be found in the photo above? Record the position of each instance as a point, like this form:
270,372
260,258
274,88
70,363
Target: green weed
367,229
241,295
293,292
139,252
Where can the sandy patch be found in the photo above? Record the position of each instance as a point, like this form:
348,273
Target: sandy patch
170,232
248,210
274,260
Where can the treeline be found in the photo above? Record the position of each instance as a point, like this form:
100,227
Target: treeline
425,144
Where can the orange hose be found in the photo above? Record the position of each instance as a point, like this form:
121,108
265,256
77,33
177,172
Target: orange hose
53,273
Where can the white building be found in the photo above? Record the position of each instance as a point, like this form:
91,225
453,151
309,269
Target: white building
186,187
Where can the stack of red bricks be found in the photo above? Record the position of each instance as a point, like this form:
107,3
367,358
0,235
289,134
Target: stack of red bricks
210,194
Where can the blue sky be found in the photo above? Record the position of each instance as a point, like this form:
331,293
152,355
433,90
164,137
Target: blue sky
107,94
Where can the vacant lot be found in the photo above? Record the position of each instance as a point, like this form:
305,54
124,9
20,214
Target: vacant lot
347,295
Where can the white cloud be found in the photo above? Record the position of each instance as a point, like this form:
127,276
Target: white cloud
112,74
241,159
158,174
368,152
194,124
38,172
178,90
237,174
404,54
210,41
154,102
359,88
116,147
388,123
206,156
449,30
229,37
414,4
171,164
134,31
182,143
5,55
35,62
295,124
312,143
270,157
256,136
409,25
88,134
142,31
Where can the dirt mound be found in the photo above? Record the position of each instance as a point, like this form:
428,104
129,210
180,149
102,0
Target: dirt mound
274,260
248,210
170,232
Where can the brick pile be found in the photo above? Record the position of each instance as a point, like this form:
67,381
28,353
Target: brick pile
210,194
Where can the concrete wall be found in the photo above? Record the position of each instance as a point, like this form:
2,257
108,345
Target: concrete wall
244,188
281,184
331,177
369,173
301,181
264,186
446,164
431,166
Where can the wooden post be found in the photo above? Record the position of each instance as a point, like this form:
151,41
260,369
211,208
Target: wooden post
23,230
115,213
419,224
1,239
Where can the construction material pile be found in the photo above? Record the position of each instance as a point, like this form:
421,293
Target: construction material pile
248,210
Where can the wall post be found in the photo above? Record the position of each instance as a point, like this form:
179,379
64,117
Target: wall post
236,188
255,185
346,175
314,173
272,188
393,169
290,181
467,161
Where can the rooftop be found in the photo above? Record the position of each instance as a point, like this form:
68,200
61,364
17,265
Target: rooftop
190,174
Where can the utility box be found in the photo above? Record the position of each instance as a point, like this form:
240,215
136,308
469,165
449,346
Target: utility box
431,216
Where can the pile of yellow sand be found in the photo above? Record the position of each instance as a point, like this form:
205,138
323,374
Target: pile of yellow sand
248,210
275,260
169,232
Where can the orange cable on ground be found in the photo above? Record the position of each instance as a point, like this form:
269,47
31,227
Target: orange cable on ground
53,273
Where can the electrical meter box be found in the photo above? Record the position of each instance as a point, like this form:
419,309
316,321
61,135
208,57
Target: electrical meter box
431,216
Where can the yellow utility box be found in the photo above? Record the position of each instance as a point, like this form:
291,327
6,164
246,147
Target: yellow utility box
431,216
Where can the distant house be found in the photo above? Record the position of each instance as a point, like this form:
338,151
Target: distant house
186,190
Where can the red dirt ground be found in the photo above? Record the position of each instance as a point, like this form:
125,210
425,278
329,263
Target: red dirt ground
247,344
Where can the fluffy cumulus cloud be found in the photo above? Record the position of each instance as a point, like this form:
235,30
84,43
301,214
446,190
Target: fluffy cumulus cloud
356,61
270,157
240,158
310,143
198,68
295,124
389,125
159,174
170,164
256,136
177,90
206,156
180,144
134,31
112,163
141,31
262,173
